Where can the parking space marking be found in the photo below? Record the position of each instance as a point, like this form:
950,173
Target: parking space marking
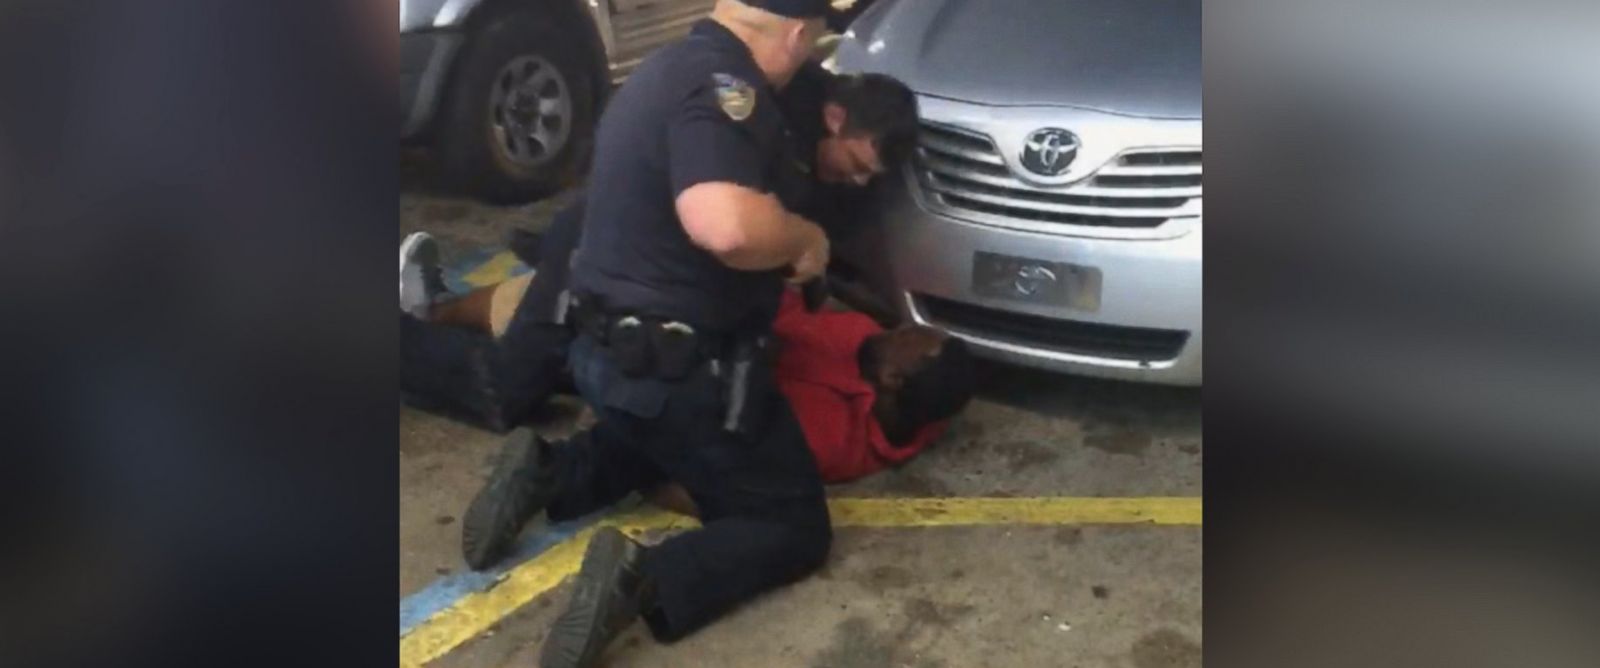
476,612
496,269
891,512
417,607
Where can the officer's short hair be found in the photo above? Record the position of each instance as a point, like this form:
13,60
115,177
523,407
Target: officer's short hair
880,106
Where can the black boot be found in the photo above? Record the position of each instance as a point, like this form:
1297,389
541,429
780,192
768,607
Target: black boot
523,482
610,593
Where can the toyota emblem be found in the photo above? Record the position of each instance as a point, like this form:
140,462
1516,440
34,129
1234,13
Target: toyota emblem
1030,278
1048,151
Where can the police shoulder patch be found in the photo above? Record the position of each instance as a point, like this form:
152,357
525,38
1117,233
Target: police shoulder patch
736,97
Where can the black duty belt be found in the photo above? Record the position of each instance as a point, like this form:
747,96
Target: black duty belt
647,345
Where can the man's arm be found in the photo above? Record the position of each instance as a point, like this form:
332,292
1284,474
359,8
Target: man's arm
744,228
718,164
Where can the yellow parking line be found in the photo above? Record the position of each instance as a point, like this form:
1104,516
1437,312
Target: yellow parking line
1045,510
476,612
494,270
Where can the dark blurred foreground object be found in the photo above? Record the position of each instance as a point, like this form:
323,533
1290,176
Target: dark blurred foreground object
1403,310
198,346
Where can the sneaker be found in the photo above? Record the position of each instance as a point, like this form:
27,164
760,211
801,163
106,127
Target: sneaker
421,281
610,593
523,482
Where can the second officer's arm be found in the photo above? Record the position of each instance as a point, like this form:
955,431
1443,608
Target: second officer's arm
722,194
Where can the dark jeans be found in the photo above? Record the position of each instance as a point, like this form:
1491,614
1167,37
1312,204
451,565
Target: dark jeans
470,375
761,499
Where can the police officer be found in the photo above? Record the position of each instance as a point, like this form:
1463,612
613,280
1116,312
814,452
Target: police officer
688,236
849,129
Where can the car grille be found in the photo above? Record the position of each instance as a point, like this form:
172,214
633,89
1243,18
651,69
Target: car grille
1142,188
1069,336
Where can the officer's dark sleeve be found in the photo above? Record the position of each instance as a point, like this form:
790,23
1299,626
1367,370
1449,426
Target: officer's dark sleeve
562,237
552,249
550,254
706,145
813,77
842,210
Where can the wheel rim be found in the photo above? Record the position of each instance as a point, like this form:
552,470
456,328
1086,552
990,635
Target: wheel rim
530,111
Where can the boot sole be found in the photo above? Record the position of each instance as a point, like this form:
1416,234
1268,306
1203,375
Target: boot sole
481,544
576,639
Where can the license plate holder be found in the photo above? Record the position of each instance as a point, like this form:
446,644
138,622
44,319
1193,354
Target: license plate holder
1032,281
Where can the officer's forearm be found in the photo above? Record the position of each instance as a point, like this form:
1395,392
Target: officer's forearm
743,228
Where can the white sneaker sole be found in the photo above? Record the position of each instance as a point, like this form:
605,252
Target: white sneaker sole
407,248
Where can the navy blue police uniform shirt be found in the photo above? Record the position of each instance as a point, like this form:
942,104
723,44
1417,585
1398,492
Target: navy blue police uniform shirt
801,103
696,111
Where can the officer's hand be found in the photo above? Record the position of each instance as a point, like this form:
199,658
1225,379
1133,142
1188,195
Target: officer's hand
813,261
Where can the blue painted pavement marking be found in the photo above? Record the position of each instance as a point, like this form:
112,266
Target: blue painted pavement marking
456,272
439,594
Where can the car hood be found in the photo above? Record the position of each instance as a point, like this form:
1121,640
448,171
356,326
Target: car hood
1134,57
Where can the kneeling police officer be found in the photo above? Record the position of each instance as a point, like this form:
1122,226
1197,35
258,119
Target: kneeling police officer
688,237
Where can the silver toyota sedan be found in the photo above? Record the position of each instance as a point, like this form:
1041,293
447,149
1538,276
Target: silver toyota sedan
1052,213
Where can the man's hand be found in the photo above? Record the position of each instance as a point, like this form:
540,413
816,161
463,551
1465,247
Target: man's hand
813,260
746,229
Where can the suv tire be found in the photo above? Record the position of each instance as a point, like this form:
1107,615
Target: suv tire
518,119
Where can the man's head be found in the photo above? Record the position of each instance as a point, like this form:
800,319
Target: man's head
921,376
781,34
872,123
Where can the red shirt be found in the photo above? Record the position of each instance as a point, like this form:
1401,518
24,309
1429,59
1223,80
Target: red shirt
818,372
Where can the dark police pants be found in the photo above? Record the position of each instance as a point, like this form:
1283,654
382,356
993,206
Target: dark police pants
761,500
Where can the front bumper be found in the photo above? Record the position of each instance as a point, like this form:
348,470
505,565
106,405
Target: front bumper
425,59
1147,326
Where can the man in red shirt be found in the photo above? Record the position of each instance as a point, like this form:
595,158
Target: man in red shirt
867,398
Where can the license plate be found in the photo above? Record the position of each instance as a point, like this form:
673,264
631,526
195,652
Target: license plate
1035,281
